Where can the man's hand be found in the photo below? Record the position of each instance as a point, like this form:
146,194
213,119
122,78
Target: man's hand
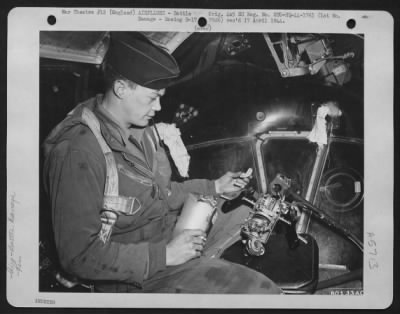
232,182
185,246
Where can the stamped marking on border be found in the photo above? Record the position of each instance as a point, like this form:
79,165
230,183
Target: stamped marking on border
372,251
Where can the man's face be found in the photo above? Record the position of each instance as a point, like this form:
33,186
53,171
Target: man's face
140,104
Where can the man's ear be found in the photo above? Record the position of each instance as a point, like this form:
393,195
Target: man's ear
119,88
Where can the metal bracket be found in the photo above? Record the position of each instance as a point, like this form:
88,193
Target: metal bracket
290,65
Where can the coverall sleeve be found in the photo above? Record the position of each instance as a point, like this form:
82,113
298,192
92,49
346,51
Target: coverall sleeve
179,191
76,184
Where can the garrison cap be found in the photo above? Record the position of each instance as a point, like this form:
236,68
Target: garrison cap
136,58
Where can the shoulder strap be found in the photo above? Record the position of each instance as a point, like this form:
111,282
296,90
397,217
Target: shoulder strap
112,201
111,186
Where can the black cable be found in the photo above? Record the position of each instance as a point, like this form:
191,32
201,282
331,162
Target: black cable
328,220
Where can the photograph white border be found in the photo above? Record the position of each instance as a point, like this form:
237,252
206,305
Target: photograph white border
24,25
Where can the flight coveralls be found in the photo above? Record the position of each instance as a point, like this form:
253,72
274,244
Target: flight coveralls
132,255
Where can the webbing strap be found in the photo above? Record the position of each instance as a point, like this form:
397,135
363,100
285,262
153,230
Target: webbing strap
111,186
121,204
113,203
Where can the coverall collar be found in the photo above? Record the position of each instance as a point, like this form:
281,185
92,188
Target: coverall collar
119,138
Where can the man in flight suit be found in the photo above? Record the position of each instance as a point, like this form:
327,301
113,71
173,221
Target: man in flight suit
122,241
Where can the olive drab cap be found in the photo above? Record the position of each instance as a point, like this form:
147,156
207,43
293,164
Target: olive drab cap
136,58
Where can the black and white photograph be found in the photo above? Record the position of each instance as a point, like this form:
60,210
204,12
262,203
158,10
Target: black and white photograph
224,156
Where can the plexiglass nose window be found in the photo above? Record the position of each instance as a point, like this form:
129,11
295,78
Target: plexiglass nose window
213,160
294,158
341,194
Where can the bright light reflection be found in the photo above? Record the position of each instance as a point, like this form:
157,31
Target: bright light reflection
272,119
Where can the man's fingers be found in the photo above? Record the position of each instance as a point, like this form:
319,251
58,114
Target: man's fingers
234,174
198,247
199,240
197,254
241,183
247,174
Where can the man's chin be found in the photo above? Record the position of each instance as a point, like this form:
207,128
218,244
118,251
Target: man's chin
147,121
141,125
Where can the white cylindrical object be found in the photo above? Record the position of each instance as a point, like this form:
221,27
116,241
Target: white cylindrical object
197,213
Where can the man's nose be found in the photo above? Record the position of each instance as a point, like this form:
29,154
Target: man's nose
157,105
